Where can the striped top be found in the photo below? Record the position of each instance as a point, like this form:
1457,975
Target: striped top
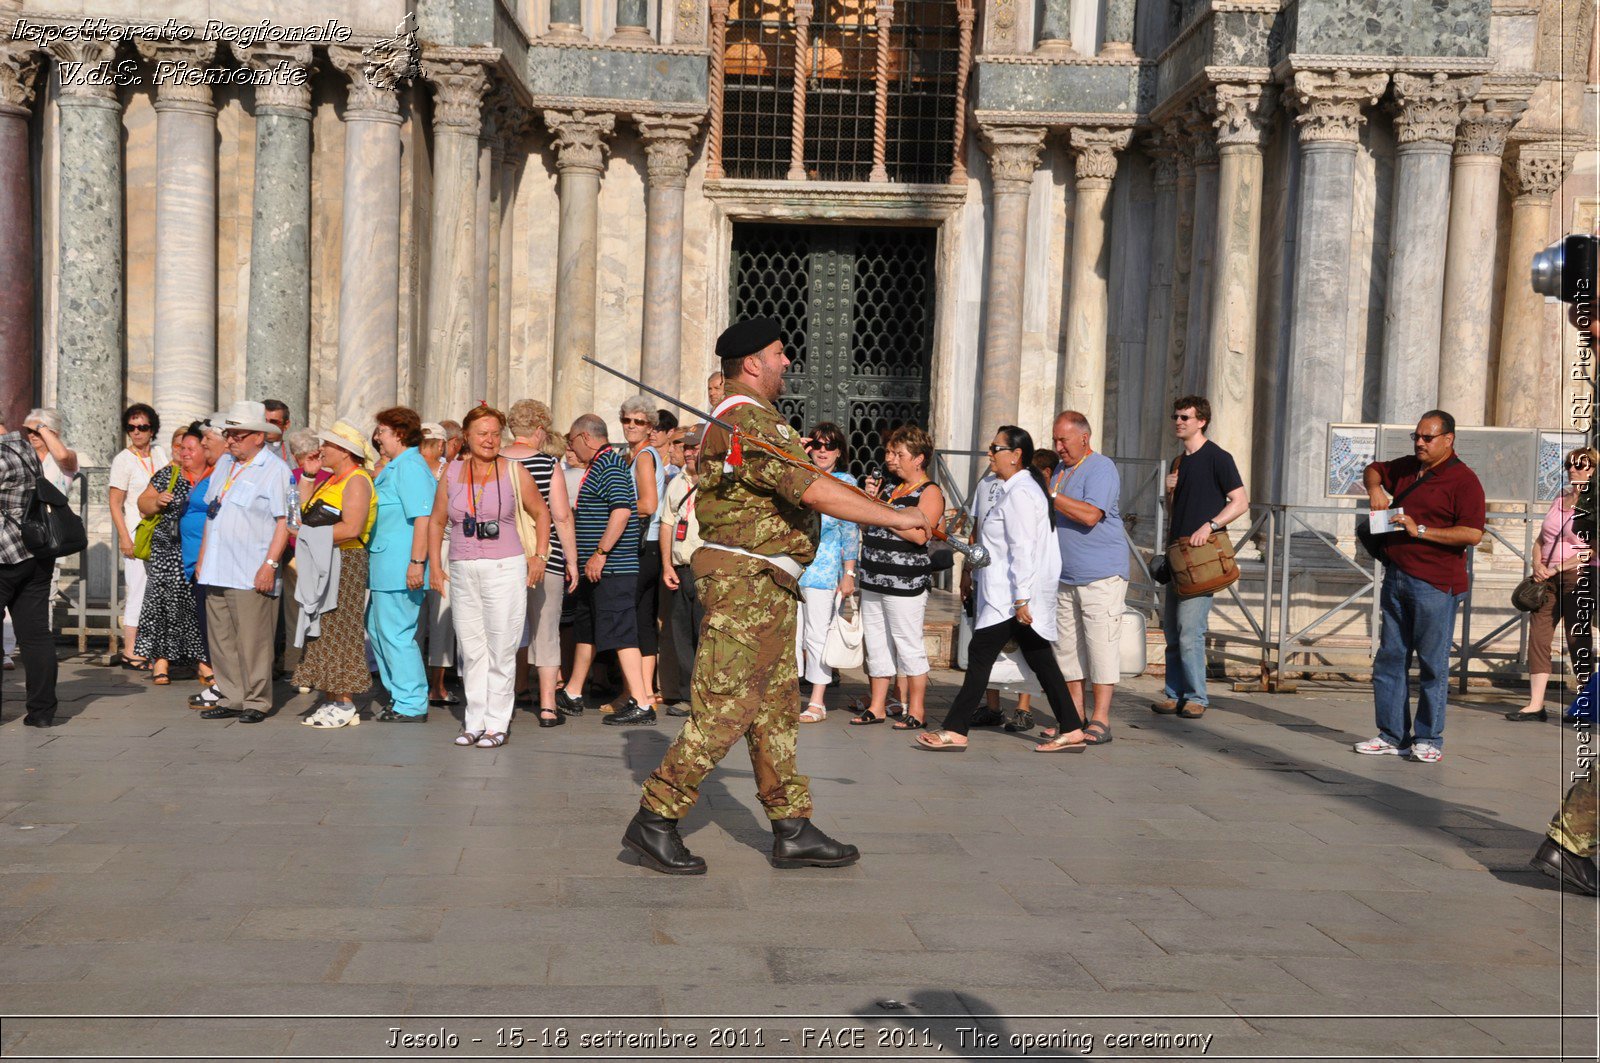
890,564
541,467
608,485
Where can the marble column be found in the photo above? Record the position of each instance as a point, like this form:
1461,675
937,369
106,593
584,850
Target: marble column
89,300
1202,244
1055,29
454,296
1330,112
483,379
508,151
278,361
1117,40
1468,266
1095,157
1013,158
566,20
632,22
1529,385
1178,353
668,143
1425,125
369,266
19,68
1243,112
1153,434
185,372
580,146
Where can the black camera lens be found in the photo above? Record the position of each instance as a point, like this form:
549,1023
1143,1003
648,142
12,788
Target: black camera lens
488,529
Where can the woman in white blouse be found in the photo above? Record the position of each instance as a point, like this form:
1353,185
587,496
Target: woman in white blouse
1016,598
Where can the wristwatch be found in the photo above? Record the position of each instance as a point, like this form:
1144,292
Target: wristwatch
271,563
1214,525
602,551
1422,529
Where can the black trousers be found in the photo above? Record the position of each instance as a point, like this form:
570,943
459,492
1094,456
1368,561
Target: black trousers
648,603
682,616
987,642
25,594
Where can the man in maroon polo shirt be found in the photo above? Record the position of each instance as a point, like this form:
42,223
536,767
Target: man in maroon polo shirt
1439,518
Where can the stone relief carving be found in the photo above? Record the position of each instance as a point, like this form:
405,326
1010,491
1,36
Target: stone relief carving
1428,108
1005,21
1539,169
458,90
364,95
580,139
1095,152
1163,160
1330,105
1201,129
690,27
19,70
1244,112
1013,154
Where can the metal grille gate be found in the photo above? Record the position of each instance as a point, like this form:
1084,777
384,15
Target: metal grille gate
857,312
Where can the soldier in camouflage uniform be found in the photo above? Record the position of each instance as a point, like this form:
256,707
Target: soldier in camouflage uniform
758,518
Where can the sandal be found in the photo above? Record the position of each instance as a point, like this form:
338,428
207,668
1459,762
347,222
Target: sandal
136,664
161,679
864,718
940,742
491,739
468,738
908,722
1096,733
814,713
894,709
206,678
1056,745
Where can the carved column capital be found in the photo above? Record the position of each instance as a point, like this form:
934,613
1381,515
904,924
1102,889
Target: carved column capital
580,140
1330,106
1013,155
668,143
1483,126
180,72
1244,113
85,69
459,86
1163,159
19,70
1200,125
1539,169
509,121
1427,109
366,102
289,90
1095,154
1176,136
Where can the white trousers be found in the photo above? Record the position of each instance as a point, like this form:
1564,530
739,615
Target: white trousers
892,624
133,600
811,633
490,603
1089,630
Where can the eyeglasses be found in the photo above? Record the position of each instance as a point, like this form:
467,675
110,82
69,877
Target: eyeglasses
131,427
996,448
235,433
1184,417
1418,437
637,422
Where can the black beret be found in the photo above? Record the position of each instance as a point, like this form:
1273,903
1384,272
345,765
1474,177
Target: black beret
748,337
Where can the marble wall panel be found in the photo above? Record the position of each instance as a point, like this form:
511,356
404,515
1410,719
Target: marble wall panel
534,282
1391,27
594,72
1513,41
457,22
703,300
139,254
327,240
619,309
1055,87
416,207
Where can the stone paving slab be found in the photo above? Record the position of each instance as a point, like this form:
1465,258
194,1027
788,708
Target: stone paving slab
1209,877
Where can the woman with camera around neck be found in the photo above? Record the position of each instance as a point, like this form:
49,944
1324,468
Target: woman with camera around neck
334,662
491,569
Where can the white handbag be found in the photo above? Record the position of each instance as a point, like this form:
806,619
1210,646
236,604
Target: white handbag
846,643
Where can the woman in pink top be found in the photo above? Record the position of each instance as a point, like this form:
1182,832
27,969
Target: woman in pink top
1559,556
490,571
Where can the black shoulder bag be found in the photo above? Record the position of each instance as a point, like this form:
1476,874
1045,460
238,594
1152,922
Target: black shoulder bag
1373,542
49,527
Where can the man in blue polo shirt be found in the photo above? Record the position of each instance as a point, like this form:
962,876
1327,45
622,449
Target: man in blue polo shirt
605,612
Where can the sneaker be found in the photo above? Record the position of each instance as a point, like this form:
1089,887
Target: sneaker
679,709
333,714
569,705
631,712
1426,753
208,698
8,664
1378,747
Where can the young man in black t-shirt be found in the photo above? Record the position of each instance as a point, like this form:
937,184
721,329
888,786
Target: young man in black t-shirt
1204,493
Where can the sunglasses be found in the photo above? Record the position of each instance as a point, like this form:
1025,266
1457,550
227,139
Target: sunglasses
637,422
236,433
821,444
1418,437
1184,417
996,448
1578,464
130,427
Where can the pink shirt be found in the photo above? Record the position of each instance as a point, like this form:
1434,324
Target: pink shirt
1561,543
495,502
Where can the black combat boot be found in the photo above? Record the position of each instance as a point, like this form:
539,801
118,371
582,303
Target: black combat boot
796,843
655,839
1568,867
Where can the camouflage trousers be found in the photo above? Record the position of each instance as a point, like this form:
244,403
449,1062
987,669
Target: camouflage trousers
1574,826
745,684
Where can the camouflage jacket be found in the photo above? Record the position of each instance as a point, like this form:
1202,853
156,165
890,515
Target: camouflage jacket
755,505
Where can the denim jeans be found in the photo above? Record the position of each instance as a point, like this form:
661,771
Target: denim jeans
1418,622
1183,621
